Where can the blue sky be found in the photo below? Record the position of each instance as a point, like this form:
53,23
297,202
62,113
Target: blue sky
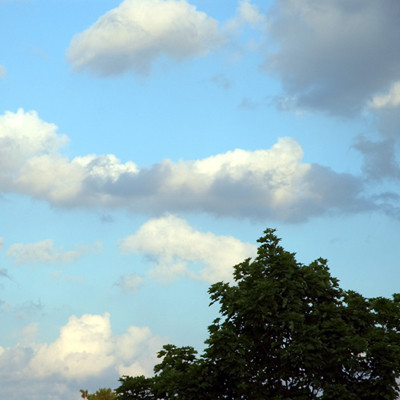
146,145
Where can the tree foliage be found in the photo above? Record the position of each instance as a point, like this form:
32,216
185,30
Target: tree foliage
285,331
101,394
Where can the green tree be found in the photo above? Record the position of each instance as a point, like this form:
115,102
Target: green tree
101,394
178,376
285,331
138,388
288,331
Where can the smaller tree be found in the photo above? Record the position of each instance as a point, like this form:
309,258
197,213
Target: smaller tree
138,388
178,374
101,394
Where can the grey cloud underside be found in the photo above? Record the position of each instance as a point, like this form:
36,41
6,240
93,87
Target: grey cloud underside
381,153
321,191
263,184
334,55
380,158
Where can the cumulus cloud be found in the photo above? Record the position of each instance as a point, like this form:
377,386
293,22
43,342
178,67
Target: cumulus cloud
134,35
85,350
177,249
272,183
86,347
335,55
24,135
45,252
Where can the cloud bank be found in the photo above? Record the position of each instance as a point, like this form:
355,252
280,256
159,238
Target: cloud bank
262,184
334,56
134,35
175,247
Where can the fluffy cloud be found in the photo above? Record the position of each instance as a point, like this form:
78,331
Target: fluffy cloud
86,350
176,247
1,243
272,183
45,252
335,55
136,33
24,135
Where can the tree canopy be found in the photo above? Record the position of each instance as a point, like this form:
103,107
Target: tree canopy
285,331
101,394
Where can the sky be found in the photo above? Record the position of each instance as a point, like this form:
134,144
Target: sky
145,145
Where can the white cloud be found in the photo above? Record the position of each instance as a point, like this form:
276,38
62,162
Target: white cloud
1,243
176,247
272,183
391,99
3,71
45,252
86,348
136,33
24,135
85,351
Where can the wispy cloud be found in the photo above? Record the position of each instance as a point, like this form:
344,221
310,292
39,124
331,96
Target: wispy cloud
130,282
3,71
247,13
248,104
4,273
45,252
222,81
